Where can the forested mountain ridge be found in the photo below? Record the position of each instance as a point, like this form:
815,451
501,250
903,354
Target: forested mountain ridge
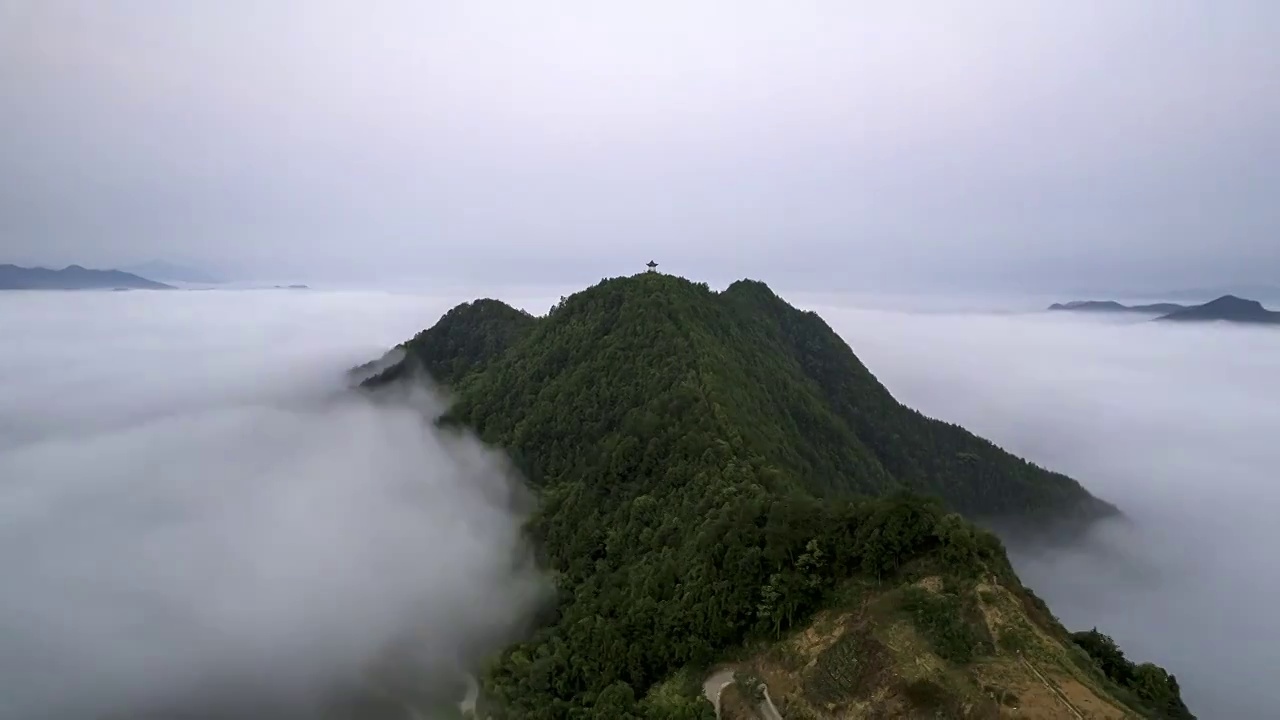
705,465
776,379
971,474
464,341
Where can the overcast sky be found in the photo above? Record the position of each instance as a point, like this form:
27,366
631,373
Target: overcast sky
830,144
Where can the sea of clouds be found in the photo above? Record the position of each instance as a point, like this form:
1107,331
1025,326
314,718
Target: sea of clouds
1179,425
195,511
191,504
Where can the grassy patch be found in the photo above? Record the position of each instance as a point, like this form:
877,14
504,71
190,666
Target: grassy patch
787,656
1002,695
929,697
1017,639
925,694
951,622
849,669
685,683
1039,614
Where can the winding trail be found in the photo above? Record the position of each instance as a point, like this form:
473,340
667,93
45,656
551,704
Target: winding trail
717,681
468,702
715,684
767,709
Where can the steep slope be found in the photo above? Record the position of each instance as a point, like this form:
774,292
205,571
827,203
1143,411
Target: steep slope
972,475
703,463
936,643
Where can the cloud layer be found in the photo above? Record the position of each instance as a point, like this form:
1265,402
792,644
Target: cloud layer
193,511
1176,425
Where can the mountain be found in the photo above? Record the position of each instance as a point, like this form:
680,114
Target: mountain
777,380
1113,306
72,277
1229,308
172,272
722,486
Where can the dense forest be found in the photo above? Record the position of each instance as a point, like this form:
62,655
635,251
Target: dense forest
1149,682
710,468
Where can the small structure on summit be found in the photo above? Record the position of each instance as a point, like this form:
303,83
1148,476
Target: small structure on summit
652,266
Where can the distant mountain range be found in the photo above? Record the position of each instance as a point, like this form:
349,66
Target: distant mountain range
1228,308
1114,307
73,277
172,272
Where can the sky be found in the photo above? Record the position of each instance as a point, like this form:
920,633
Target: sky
834,145
1174,424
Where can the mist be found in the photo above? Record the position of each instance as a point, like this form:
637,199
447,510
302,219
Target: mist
195,512
1177,425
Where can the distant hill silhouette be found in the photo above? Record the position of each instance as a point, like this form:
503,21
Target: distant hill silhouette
73,277
1113,306
173,272
1229,308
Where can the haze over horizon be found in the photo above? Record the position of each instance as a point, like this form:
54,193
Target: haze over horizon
1072,147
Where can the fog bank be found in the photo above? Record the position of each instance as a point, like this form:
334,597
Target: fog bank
193,510
1175,424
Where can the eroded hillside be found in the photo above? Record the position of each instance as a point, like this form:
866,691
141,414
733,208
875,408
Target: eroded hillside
927,648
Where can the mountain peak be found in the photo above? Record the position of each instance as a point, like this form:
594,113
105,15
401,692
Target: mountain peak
1234,302
1228,307
776,378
